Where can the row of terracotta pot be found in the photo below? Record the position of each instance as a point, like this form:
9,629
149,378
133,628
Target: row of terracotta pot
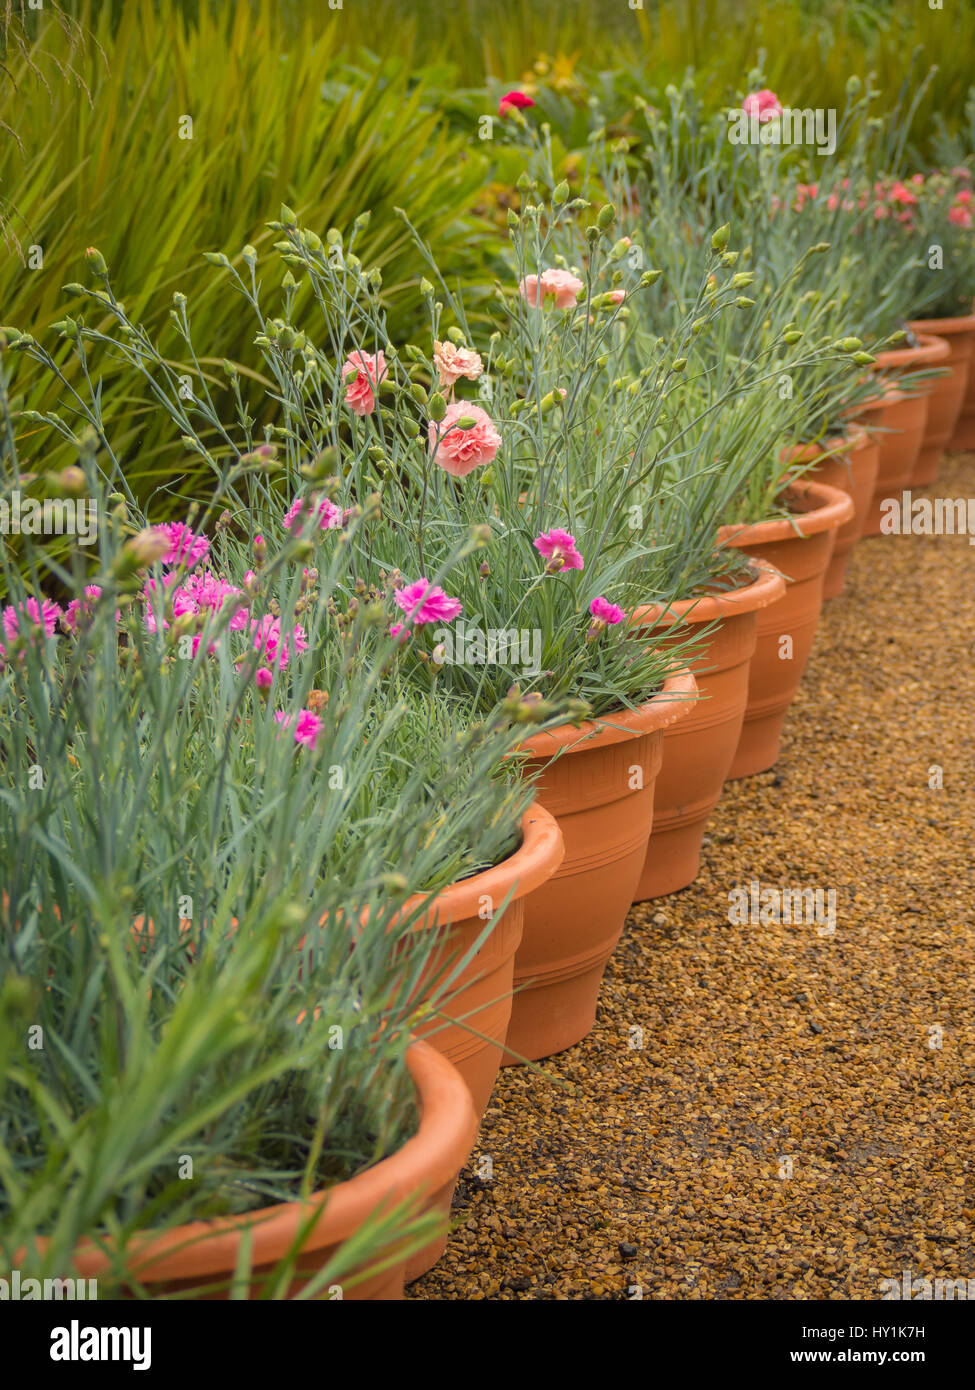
621,810
623,802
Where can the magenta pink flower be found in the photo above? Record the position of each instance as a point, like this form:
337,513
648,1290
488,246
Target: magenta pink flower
460,450
308,728
178,595
28,615
185,547
453,362
424,602
329,515
277,649
605,613
559,549
362,372
764,104
559,286
263,678
79,611
513,101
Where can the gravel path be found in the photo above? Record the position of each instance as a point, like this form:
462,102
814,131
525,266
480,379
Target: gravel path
663,1171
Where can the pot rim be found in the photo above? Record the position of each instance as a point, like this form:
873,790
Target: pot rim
678,693
835,446
765,588
958,323
834,509
533,863
425,1162
889,396
931,350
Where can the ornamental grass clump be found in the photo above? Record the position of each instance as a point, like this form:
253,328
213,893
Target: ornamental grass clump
219,798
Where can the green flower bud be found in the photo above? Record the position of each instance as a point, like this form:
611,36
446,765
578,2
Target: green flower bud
719,240
606,216
438,406
560,193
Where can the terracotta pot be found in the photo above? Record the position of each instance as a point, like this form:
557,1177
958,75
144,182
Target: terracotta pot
600,790
851,465
205,1252
800,548
964,433
480,998
896,423
698,750
947,395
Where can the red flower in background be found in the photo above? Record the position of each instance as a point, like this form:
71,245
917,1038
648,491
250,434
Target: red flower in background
512,100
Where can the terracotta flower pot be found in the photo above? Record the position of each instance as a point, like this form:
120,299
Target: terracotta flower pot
205,1252
480,998
851,465
698,750
900,451
896,424
964,432
947,395
800,548
600,790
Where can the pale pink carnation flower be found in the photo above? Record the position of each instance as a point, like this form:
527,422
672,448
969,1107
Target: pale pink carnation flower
453,362
424,602
763,104
561,286
459,451
362,372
